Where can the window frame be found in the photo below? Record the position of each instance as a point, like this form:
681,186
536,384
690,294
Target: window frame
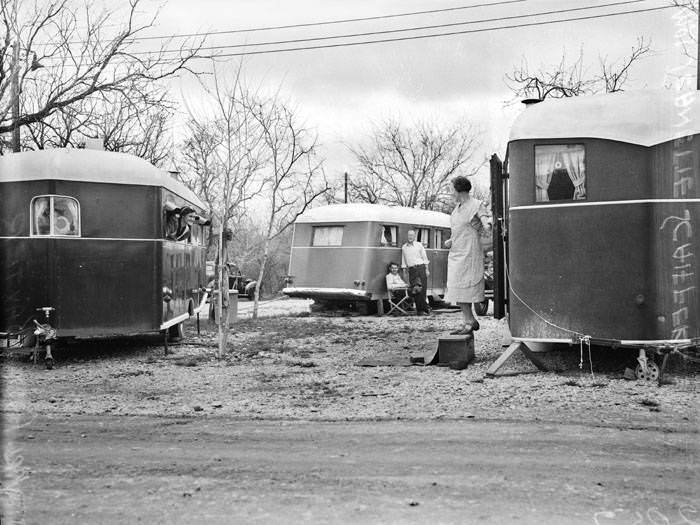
327,227
419,237
52,198
563,145
437,232
395,233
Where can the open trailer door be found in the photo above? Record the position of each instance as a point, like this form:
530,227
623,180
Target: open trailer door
499,192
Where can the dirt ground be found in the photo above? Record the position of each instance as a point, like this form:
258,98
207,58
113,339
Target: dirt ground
308,435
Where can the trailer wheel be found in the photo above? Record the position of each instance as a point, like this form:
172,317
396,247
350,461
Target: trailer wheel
482,307
176,332
650,374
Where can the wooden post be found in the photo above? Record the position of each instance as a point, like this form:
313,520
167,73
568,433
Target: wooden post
223,287
14,92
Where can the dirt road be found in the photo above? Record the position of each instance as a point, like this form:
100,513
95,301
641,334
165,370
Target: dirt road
129,469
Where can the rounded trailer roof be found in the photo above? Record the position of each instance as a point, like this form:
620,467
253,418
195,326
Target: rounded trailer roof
88,165
645,118
363,212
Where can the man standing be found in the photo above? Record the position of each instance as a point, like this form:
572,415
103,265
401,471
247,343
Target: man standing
414,258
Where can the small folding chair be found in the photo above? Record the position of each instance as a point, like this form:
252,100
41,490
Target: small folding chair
401,304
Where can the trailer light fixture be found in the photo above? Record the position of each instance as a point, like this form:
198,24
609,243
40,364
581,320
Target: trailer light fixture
167,294
639,299
661,318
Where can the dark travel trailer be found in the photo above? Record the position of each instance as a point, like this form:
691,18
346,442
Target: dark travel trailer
96,244
602,220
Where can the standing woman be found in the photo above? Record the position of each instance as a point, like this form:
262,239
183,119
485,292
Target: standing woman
465,264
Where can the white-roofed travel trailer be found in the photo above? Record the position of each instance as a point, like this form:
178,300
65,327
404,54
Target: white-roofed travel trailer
96,244
340,252
600,206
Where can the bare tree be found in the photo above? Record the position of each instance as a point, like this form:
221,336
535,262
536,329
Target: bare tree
294,176
687,16
573,79
412,166
131,122
224,152
690,5
56,54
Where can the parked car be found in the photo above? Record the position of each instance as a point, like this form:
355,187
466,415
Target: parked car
236,281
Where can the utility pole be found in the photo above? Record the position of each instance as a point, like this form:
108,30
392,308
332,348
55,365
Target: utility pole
346,185
697,58
14,92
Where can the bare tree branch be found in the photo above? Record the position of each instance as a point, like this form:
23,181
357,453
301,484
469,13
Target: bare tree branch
412,166
572,79
69,51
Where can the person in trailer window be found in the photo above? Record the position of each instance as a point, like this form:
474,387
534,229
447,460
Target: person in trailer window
187,219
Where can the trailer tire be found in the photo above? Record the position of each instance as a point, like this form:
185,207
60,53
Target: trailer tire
482,307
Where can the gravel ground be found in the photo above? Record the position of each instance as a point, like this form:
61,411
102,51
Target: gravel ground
305,367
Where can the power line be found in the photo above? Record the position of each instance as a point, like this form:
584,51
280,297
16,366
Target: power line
391,31
328,22
420,37
413,37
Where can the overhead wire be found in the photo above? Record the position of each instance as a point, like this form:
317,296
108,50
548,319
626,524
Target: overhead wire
420,37
132,56
392,31
327,22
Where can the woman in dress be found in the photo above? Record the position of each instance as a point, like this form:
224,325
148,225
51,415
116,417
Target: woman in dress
465,264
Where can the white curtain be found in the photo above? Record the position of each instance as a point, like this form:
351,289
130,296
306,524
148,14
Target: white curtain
545,156
42,216
573,158
328,236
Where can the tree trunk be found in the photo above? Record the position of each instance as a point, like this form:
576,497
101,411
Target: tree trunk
261,274
223,296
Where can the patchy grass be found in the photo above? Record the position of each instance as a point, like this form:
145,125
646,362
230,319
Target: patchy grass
571,382
301,364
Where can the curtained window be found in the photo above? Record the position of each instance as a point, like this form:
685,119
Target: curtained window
560,172
423,236
390,236
437,239
55,215
327,236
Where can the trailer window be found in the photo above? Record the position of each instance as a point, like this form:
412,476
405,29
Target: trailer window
560,172
55,215
437,239
423,236
390,236
327,236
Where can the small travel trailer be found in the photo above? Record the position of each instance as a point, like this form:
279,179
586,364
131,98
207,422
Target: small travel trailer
87,246
599,221
340,252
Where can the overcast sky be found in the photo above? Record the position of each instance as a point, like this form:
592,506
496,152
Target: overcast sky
341,91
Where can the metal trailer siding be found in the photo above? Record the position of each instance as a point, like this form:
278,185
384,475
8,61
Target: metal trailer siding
675,166
106,282
605,267
359,258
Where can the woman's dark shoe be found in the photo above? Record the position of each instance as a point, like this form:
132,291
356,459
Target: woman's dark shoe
475,325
